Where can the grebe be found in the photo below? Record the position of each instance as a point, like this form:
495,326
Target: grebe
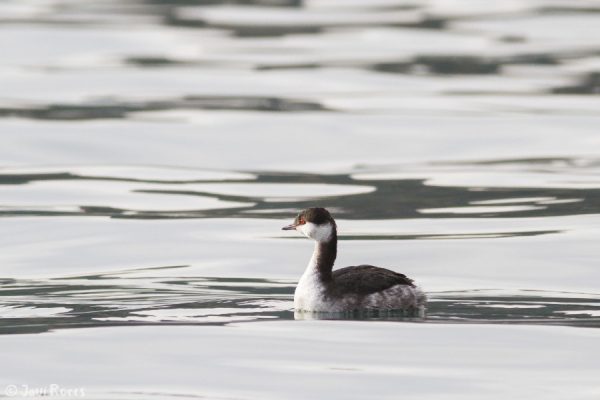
362,287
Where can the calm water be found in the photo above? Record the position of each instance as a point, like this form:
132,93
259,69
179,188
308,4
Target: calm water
152,150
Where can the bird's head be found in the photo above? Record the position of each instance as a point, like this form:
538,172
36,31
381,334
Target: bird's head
315,223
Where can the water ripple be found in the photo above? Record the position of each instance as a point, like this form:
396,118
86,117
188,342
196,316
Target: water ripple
30,306
489,190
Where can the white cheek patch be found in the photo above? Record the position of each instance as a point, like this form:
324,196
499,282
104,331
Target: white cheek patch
320,233
304,229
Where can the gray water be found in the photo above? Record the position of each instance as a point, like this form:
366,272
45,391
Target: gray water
152,150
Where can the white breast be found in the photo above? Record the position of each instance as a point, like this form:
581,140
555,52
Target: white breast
310,292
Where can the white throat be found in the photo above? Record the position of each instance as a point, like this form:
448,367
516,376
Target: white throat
309,294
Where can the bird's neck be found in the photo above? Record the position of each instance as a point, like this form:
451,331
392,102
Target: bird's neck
321,262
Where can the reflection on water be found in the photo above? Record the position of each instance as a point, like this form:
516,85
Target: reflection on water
488,190
113,109
455,141
567,187
106,300
32,306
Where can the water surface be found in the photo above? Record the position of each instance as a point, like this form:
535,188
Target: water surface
152,150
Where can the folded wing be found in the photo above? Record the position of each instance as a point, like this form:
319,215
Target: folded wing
367,279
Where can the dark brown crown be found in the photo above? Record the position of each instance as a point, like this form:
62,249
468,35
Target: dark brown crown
316,215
